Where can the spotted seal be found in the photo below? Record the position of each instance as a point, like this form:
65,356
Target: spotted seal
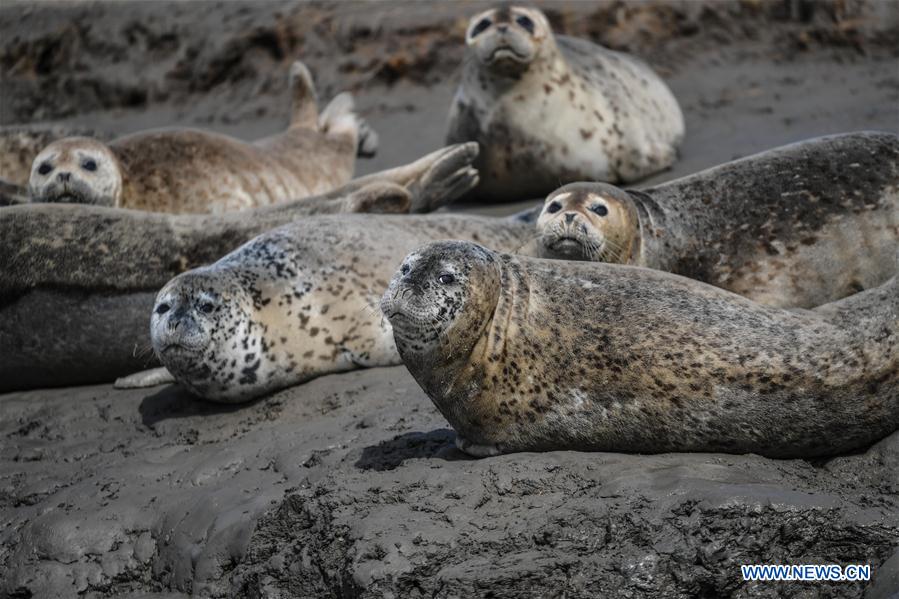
524,354
192,171
77,282
800,225
549,109
297,302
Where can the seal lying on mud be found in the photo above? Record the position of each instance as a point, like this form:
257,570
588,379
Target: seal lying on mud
191,171
522,354
800,225
19,144
298,302
77,283
548,109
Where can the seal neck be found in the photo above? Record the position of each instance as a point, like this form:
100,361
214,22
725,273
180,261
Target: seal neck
652,230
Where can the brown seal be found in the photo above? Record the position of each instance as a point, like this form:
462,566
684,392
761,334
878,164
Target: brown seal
192,171
524,354
549,109
800,225
78,282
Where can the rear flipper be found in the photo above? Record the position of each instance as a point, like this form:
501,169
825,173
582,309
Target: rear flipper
304,100
145,378
339,118
382,197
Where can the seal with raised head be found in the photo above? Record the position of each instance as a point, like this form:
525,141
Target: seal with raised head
523,354
298,302
549,109
78,282
193,171
796,226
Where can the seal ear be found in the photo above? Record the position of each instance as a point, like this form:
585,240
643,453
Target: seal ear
304,103
379,197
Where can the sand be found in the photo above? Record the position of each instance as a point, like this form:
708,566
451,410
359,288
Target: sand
349,485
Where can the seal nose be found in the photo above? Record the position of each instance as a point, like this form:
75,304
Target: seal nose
502,28
64,177
569,217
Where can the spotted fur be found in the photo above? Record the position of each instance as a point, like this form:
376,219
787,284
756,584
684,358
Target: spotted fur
548,109
800,225
524,354
298,302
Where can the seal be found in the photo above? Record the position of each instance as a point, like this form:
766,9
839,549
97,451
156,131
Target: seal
800,225
78,282
297,302
192,171
524,354
549,109
20,144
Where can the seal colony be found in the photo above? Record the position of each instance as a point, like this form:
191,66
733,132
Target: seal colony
297,302
191,171
800,225
549,109
522,354
79,281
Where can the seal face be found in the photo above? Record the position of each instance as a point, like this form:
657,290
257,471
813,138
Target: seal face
595,222
76,170
502,346
550,109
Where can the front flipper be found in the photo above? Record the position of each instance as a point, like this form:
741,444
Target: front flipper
145,378
478,451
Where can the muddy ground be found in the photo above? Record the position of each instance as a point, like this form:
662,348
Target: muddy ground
349,486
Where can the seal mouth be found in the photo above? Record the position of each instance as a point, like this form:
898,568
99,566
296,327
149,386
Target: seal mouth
178,349
566,242
504,53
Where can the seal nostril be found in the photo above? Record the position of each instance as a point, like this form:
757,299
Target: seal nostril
64,176
569,217
404,269
162,308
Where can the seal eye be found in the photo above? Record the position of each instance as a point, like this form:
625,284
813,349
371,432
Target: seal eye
404,269
44,168
480,27
599,209
89,165
525,23
446,279
162,308
207,308
554,207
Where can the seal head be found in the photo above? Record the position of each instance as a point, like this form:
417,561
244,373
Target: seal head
203,331
76,170
441,300
507,40
594,222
